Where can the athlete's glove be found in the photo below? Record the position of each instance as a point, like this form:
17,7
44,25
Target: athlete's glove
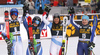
91,46
31,46
47,9
25,8
9,45
71,10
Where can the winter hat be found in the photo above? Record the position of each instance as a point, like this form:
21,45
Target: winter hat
85,17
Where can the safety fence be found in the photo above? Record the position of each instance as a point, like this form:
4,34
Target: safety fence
71,31
3,8
60,10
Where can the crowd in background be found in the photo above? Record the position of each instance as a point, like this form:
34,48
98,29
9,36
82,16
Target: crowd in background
94,6
39,5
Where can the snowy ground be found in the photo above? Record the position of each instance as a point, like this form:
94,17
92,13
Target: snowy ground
72,45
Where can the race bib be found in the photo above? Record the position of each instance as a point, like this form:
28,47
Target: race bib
83,35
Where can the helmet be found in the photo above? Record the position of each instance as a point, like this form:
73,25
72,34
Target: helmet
36,20
56,15
14,11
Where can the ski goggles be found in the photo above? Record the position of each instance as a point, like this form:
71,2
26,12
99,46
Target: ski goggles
37,22
14,13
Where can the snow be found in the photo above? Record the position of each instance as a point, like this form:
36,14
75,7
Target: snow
72,44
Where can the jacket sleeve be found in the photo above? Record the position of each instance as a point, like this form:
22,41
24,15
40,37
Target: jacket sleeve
25,24
73,23
49,24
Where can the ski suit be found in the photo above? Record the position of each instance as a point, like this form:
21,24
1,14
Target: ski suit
57,34
84,37
14,28
36,35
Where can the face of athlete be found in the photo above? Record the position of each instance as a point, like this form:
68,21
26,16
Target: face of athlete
35,24
30,0
84,22
14,17
56,20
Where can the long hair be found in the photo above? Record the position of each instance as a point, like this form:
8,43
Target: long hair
56,15
54,25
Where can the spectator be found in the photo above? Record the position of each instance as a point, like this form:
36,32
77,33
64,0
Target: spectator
88,8
55,3
47,2
31,6
98,5
64,3
22,1
69,3
93,6
34,0
74,4
51,4
79,5
61,3
18,2
39,5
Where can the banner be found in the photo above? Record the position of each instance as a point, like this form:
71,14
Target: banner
1,29
10,2
71,30
88,1
44,33
1,38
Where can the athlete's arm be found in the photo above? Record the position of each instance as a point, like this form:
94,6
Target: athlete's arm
21,19
41,26
25,24
73,23
49,24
